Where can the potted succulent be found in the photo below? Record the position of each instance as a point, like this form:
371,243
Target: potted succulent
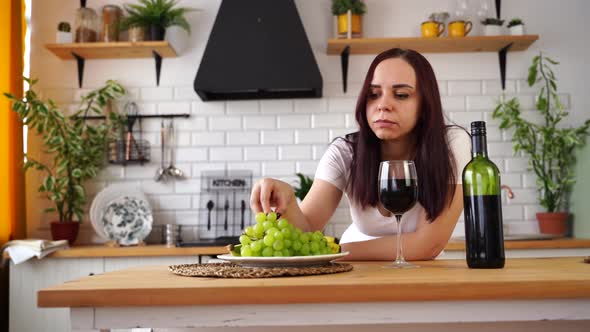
76,147
342,9
64,33
155,16
492,26
549,145
516,27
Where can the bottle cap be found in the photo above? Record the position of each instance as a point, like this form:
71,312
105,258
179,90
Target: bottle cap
478,128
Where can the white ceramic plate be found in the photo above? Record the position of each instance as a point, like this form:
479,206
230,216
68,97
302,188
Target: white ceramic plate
297,261
127,220
103,198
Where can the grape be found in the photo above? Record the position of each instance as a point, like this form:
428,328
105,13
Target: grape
260,217
278,244
267,225
271,216
258,229
267,252
288,243
246,251
286,233
304,238
256,246
271,237
316,236
283,223
245,240
314,246
304,249
279,236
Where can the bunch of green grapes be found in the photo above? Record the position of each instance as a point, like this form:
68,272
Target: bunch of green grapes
271,237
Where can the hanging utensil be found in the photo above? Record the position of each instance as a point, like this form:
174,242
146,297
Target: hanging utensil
172,170
243,210
161,171
131,110
210,206
226,208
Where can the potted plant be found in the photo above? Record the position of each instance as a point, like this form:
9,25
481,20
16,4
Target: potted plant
64,33
155,16
348,15
549,145
492,26
516,27
76,147
305,183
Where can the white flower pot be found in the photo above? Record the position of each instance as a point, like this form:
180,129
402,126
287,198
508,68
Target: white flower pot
492,30
63,37
177,37
517,30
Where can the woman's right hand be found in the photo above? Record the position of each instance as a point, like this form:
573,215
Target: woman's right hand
269,192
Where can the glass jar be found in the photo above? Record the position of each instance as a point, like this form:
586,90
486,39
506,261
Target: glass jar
86,25
111,16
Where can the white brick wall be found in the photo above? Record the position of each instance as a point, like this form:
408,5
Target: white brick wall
280,137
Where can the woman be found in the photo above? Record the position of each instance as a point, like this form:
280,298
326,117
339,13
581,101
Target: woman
400,117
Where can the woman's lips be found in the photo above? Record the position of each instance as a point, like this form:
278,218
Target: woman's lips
383,123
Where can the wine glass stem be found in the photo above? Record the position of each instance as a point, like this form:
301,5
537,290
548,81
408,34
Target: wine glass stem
399,257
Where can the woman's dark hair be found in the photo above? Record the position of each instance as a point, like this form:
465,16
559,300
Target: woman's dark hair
434,159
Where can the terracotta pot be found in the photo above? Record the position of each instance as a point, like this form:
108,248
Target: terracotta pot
552,222
65,231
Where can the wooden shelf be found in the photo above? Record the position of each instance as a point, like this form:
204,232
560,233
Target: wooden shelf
114,50
432,45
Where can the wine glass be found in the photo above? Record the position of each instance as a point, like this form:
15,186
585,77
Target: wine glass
398,192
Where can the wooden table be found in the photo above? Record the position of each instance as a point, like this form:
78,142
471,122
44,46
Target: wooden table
440,292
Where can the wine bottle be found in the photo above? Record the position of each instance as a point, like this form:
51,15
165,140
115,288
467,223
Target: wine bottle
484,240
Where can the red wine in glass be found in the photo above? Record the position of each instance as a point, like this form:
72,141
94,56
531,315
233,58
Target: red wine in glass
398,193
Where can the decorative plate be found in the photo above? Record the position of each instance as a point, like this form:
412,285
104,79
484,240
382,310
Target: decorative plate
103,198
127,220
281,261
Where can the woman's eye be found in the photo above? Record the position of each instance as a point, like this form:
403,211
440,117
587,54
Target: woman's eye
373,95
401,96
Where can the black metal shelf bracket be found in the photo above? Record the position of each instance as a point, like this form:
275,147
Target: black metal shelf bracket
140,116
80,62
158,59
344,63
502,58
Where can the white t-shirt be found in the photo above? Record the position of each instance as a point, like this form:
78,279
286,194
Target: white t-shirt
369,223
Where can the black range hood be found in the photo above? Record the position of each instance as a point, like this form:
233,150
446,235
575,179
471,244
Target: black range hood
258,49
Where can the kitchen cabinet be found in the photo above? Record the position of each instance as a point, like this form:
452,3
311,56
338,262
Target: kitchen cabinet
27,278
501,44
113,50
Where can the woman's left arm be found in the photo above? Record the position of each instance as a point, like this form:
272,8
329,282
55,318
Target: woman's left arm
425,243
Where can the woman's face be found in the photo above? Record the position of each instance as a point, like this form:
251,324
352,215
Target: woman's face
392,100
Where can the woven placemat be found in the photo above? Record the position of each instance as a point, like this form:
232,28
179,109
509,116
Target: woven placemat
230,270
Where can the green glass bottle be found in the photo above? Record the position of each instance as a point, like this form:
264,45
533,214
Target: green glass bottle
484,240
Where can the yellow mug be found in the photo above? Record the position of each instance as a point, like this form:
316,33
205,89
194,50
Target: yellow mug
459,28
432,29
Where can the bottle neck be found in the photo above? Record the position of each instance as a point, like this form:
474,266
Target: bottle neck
479,146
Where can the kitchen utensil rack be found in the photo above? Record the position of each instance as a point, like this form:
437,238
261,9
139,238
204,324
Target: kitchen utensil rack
224,209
